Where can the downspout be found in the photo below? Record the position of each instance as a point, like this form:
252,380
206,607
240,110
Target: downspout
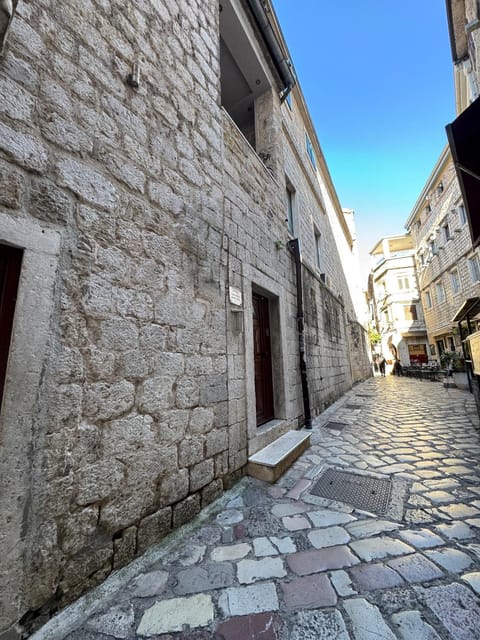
294,248
283,65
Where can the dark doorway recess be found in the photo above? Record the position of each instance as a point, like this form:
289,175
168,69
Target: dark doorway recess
263,359
10,265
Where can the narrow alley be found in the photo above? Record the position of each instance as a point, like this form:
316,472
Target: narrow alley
284,562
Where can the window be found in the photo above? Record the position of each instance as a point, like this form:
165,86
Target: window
310,151
440,292
318,249
462,216
451,343
421,259
288,100
403,283
446,232
474,268
290,208
455,281
428,300
410,312
433,247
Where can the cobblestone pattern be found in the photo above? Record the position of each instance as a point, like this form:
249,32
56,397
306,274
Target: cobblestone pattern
275,562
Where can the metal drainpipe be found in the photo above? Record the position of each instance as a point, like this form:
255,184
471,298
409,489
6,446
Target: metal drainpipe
294,248
283,65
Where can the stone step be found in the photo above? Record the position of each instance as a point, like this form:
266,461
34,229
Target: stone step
273,460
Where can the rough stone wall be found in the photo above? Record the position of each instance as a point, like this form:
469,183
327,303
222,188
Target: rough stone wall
131,434
154,205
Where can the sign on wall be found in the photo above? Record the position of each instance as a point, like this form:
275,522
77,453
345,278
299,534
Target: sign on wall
474,342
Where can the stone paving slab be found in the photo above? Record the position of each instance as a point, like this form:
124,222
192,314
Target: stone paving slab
273,562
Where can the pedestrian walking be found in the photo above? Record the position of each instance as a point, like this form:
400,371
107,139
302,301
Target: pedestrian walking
381,365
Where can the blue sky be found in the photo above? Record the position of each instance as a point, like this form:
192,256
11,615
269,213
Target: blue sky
377,76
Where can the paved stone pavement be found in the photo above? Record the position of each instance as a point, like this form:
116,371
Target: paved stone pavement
274,562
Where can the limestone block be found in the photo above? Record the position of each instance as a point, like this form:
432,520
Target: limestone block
155,395
87,183
66,407
187,393
124,547
211,492
24,149
184,511
118,334
153,528
78,529
103,401
216,441
174,487
171,363
201,422
122,511
201,474
83,565
190,451
154,337
127,435
69,366
98,481
15,102
12,187
99,363
173,425
134,303
134,365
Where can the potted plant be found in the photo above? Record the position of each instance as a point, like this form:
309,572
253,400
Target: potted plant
453,363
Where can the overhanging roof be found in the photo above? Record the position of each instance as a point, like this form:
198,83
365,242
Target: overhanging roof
469,309
464,140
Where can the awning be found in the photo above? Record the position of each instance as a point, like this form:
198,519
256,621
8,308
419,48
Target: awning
469,309
464,140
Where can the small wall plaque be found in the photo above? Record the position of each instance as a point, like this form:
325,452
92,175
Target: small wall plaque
235,296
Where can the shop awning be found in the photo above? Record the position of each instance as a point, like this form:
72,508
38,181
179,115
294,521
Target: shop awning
469,309
464,140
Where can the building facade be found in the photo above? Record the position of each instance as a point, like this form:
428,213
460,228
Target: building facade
448,267
157,168
397,308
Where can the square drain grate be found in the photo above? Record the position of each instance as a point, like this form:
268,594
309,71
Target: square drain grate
335,425
353,406
362,492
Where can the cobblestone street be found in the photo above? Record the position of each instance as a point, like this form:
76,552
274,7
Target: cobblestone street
275,562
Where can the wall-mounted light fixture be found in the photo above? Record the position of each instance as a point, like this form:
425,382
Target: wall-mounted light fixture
133,78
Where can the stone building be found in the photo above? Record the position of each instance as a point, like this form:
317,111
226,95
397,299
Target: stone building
448,268
398,309
157,167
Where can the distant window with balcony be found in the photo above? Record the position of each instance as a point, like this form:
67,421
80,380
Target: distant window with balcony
428,300
310,151
403,284
290,195
474,268
410,312
439,292
455,281
446,232
318,249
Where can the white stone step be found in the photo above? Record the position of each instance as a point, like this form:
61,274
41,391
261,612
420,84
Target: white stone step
273,460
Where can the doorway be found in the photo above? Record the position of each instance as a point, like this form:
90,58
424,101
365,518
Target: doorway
262,354
10,265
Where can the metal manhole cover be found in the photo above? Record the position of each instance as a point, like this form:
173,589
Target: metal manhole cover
335,425
362,492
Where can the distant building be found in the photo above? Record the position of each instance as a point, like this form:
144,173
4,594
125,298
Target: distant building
397,307
448,267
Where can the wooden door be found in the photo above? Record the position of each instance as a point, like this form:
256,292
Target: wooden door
263,360
10,264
